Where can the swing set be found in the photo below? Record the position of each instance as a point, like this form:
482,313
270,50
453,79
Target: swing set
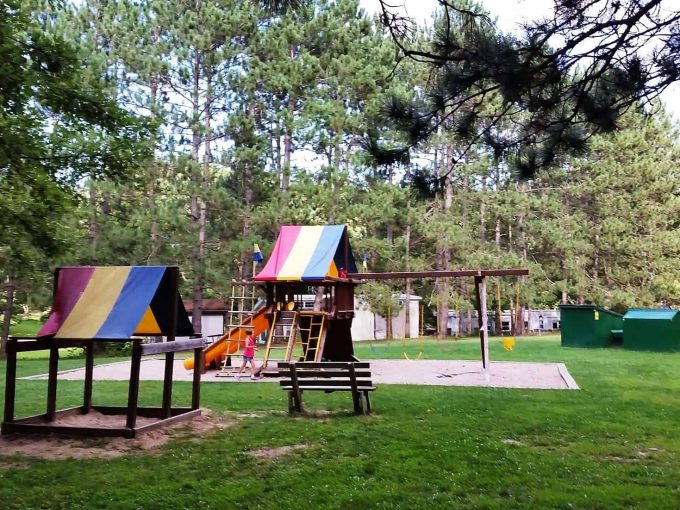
479,276
389,339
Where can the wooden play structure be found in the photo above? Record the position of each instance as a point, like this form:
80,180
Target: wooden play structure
319,260
108,304
303,258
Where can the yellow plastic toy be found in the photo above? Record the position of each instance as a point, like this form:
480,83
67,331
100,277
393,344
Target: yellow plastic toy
508,343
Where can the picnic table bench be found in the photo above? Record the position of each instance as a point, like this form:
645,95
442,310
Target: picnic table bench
328,377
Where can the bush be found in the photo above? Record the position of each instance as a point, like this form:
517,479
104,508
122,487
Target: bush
113,349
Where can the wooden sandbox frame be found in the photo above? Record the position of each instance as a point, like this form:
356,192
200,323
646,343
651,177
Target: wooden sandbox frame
44,423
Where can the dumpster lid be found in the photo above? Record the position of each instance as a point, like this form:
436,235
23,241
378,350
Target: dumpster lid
592,307
649,313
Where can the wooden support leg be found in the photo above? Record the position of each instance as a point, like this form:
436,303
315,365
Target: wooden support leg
368,402
133,392
297,394
52,384
196,388
291,403
10,380
89,367
167,384
480,287
356,396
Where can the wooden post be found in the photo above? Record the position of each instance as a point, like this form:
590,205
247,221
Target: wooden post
10,288
170,356
133,392
480,287
52,382
89,367
196,388
10,379
345,237
356,397
297,397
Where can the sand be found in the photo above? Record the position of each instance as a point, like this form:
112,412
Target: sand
503,374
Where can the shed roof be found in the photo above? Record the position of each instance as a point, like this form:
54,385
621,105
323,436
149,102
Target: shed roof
653,314
112,302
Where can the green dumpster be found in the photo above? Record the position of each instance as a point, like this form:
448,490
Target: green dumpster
651,330
588,325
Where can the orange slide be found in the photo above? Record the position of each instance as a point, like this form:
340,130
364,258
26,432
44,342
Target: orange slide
230,343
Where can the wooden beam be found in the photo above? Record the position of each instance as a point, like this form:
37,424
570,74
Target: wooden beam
174,418
133,390
196,387
89,367
480,288
10,381
52,383
177,345
461,273
170,355
27,344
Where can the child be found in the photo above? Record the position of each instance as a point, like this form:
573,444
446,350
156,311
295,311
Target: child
248,355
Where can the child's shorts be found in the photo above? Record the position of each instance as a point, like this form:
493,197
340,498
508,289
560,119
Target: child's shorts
246,359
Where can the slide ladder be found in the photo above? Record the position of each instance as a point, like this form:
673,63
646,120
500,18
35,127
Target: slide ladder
243,305
281,338
312,329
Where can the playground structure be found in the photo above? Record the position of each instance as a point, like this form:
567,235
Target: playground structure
639,329
108,304
319,260
303,258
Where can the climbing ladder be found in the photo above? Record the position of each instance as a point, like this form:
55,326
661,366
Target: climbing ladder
312,329
243,300
243,303
281,338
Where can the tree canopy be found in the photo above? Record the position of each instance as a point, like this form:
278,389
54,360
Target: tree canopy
540,93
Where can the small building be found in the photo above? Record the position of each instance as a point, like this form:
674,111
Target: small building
458,324
535,321
368,325
214,313
651,330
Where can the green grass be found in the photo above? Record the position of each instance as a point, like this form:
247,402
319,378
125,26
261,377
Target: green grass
614,444
28,327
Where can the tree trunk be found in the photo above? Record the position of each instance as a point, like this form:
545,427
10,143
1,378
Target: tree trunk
10,287
498,320
287,145
499,311
197,292
154,234
407,311
445,251
93,227
248,194
482,226
389,334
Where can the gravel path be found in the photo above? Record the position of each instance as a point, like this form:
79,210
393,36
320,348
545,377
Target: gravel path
501,374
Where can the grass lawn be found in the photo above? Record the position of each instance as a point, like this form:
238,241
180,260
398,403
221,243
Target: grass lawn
614,444
28,327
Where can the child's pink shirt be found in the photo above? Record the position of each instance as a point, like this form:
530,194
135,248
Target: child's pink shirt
249,349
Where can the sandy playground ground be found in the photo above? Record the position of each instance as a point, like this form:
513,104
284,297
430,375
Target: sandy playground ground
501,374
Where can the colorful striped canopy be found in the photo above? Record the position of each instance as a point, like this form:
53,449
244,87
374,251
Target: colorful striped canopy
309,254
114,303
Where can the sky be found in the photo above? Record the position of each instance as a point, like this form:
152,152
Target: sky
508,14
